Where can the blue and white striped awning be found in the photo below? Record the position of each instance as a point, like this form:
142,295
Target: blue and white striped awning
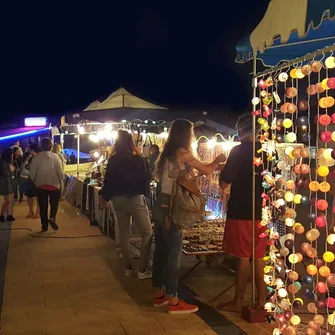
290,29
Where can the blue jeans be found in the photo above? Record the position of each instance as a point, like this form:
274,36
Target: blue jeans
168,245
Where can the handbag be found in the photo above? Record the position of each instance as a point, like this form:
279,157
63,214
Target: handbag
187,204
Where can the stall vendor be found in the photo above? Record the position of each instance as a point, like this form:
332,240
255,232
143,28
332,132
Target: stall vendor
238,172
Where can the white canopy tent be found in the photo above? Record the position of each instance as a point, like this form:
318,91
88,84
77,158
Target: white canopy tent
121,99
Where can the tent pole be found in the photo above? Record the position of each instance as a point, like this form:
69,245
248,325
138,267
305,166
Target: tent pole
62,140
78,154
254,87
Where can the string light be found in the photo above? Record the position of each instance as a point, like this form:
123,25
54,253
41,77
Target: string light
280,204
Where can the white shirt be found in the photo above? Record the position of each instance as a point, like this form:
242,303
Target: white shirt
46,169
170,175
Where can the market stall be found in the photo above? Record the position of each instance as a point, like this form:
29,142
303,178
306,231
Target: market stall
288,98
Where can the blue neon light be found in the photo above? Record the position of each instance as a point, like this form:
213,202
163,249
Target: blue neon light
31,132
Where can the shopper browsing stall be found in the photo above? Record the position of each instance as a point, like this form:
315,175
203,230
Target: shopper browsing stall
24,176
47,174
176,160
30,189
127,183
7,185
238,173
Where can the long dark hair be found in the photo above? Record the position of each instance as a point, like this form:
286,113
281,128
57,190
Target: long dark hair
7,155
180,137
124,145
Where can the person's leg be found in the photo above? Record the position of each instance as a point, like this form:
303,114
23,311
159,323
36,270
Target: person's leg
31,207
174,240
242,276
140,214
10,207
160,212
54,197
16,188
21,188
238,243
42,198
6,206
3,209
159,267
37,208
121,205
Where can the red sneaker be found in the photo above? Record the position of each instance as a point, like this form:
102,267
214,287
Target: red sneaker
182,308
159,302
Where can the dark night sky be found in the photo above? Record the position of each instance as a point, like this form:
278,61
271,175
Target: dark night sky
62,58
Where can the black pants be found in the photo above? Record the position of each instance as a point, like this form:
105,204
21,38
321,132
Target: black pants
44,197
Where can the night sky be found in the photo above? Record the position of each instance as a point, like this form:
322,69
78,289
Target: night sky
58,59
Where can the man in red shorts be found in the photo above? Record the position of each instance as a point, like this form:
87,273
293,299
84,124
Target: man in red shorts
238,173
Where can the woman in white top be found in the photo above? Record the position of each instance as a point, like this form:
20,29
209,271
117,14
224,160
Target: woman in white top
176,156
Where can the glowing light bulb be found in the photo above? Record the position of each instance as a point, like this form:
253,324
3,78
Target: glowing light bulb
195,146
114,134
96,154
94,138
211,143
81,130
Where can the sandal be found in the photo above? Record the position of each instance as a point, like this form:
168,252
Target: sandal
30,215
36,216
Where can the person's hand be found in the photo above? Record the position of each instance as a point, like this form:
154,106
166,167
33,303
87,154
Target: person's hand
221,158
221,166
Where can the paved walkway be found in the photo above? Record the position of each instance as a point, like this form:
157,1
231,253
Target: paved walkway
63,286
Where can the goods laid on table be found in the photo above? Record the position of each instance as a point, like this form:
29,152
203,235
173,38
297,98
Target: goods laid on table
204,237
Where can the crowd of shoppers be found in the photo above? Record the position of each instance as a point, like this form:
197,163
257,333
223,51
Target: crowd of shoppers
37,173
40,174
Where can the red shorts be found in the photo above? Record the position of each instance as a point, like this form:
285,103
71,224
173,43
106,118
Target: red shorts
237,239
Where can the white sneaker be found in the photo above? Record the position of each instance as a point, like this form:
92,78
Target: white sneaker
144,275
128,272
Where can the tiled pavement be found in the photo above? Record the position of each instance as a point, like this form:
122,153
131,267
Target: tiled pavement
75,286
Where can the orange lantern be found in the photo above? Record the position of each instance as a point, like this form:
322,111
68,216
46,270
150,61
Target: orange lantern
328,102
312,270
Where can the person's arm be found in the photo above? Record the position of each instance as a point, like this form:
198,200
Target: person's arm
230,170
188,159
4,169
105,192
59,170
33,169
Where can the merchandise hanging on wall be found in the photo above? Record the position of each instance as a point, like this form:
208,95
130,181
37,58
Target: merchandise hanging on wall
309,30
299,270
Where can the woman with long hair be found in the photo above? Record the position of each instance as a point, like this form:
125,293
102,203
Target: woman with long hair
127,183
176,158
17,162
24,175
7,184
30,190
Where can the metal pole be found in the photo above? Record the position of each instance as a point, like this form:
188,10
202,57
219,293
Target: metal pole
62,140
254,86
78,154
307,57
